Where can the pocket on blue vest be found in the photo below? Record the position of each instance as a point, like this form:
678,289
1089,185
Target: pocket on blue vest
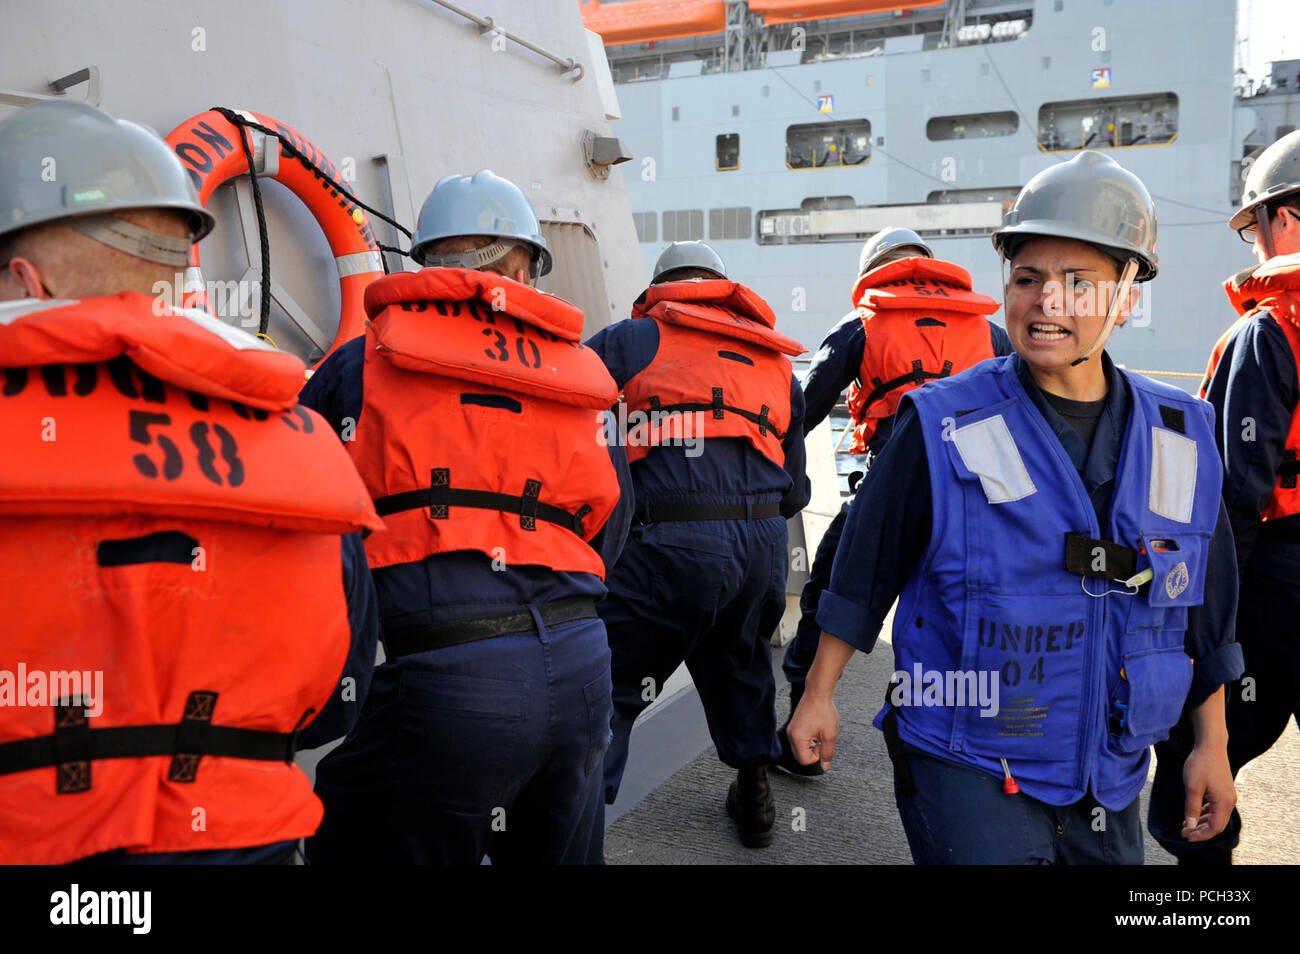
1153,687
1156,672
1177,562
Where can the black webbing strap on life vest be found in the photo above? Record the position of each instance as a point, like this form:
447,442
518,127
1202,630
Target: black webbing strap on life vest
894,746
918,375
419,639
1288,469
718,407
440,495
74,744
1103,559
676,513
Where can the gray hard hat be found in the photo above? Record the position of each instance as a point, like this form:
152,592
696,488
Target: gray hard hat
886,241
1093,199
481,204
688,255
1274,174
60,160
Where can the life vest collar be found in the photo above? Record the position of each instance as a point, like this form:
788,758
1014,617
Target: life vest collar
187,348
548,312
714,291
917,267
722,307
469,339
921,283
1251,286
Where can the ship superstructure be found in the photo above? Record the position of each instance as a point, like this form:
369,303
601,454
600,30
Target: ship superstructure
785,132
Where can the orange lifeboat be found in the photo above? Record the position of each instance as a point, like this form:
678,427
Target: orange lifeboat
792,11
643,21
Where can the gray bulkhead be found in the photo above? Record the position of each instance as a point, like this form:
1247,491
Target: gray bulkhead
402,79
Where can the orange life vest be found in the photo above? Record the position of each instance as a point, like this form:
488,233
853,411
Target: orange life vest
922,321
171,524
720,360
1269,292
1245,291
482,423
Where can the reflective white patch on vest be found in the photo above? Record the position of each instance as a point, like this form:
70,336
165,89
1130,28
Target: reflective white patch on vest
11,311
988,451
231,335
1173,475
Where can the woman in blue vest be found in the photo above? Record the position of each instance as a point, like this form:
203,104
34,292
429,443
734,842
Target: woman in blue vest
1066,582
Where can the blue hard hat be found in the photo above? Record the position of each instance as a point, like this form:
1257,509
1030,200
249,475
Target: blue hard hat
481,204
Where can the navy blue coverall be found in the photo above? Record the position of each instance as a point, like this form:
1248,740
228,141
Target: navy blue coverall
490,747
834,367
888,531
1254,394
707,592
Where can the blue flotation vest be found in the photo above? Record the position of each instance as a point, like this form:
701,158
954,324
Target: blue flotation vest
1088,674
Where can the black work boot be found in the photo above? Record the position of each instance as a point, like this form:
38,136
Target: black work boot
750,803
787,762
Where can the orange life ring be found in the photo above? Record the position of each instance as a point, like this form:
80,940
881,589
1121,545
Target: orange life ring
208,145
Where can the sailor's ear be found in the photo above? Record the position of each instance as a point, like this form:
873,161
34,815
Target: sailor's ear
1286,221
23,277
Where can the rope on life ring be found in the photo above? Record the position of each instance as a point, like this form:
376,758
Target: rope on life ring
214,148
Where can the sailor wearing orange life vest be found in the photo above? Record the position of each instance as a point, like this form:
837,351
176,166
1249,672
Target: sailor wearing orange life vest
182,603
915,319
475,417
715,434
1252,383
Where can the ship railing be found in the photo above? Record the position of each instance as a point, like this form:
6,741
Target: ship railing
1181,375
841,428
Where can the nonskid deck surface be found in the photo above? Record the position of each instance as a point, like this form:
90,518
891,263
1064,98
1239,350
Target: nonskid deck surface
849,816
